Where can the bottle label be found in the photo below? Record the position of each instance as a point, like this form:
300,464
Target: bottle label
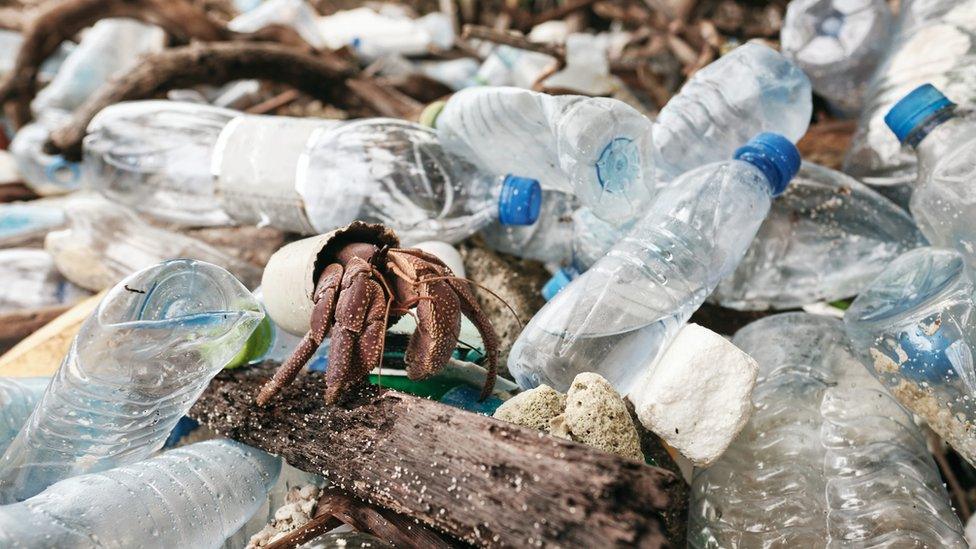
255,163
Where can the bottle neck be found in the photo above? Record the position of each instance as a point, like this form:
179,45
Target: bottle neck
936,137
930,126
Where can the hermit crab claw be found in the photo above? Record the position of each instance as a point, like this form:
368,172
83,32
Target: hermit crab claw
363,283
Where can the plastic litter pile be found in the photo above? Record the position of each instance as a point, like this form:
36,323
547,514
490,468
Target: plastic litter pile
741,241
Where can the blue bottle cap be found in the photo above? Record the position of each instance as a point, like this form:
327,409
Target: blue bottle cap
520,201
774,155
915,109
558,281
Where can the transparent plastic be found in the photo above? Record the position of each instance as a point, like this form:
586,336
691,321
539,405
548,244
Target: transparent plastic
45,174
709,118
31,281
828,458
825,239
297,14
110,46
914,327
154,156
838,44
549,240
134,369
596,148
18,397
508,66
616,318
104,243
25,223
934,42
195,496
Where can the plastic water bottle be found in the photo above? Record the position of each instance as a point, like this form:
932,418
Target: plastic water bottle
313,178
297,14
195,496
617,316
825,239
21,224
914,327
110,46
838,44
942,201
104,243
934,42
828,458
709,118
154,156
508,66
18,396
31,281
45,174
134,369
390,30
548,240
596,148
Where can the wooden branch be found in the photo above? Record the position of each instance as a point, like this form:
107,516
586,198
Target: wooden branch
561,11
13,192
17,325
56,22
321,76
384,100
486,482
12,19
516,40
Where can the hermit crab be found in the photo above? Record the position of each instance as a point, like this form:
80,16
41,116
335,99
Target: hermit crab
350,285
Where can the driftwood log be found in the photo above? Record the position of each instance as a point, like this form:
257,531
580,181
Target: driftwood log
485,482
16,325
321,76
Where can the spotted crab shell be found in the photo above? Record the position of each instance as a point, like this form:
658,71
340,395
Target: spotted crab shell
290,275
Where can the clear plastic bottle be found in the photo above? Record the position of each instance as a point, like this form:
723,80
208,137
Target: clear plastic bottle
297,14
110,46
710,118
18,397
596,148
548,240
21,224
508,66
387,30
45,174
31,281
934,42
943,201
194,496
915,327
104,243
134,369
825,239
154,156
828,458
313,179
838,44
617,316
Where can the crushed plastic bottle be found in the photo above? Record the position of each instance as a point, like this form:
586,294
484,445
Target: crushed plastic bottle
509,66
195,496
934,42
316,178
386,31
154,156
616,318
825,239
297,14
596,148
110,46
838,44
31,281
23,223
709,119
914,328
587,70
828,458
46,174
548,240
18,397
943,201
104,243
134,369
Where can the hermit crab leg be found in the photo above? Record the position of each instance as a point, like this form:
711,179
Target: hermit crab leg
324,299
358,330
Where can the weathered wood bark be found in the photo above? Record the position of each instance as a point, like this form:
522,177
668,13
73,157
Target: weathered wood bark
483,481
321,76
56,22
